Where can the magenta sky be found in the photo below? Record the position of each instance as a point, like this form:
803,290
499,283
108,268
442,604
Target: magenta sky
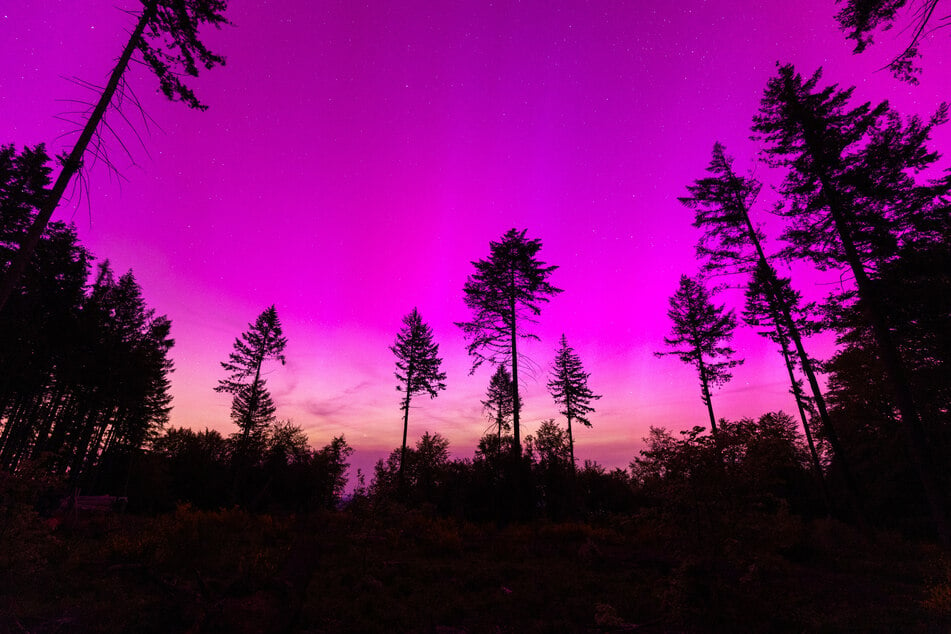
355,159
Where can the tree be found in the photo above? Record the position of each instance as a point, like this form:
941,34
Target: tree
700,329
425,471
330,468
859,19
417,367
506,292
760,311
569,387
166,34
252,407
853,201
918,285
731,243
555,488
499,403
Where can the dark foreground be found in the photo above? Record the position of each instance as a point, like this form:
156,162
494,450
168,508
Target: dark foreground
374,569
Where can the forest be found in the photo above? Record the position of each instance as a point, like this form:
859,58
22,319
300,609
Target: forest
833,517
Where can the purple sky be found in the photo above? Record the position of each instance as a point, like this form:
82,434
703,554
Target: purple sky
355,159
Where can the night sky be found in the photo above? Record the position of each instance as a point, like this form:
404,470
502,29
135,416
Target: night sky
356,158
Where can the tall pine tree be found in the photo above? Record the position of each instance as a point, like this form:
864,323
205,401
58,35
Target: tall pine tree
505,293
499,403
252,407
417,368
732,243
569,387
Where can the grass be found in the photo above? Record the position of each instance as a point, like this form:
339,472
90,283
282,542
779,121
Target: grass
384,569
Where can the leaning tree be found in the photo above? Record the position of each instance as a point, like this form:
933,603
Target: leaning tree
417,368
505,294
569,387
166,36
731,243
760,312
852,202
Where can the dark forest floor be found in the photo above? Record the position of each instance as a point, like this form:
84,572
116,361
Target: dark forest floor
386,570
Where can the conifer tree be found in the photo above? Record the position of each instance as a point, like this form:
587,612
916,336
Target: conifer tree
252,407
506,293
731,243
498,401
852,201
417,368
698,336
166,35
569,387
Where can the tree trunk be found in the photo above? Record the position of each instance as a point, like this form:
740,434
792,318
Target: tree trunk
401,477
805,363
517,446
798,395
571,445
73,162
705,391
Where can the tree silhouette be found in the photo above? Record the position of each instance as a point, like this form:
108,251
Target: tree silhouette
859,19
918,285
417,367
91,380
499,403
425,471
569,387
166,34
731,243
505,293
852,202
699,332
760,311
252,407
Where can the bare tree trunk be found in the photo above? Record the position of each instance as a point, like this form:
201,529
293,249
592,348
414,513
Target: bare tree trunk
705,391
798,395
402,477
571,446
517,446
785,315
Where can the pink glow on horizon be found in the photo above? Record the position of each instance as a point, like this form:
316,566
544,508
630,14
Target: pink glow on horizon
355,159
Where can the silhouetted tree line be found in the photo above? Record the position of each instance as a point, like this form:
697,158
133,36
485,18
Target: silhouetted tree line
85,363
89,394
280,472
857,198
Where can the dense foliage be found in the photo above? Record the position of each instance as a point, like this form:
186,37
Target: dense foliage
92,367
